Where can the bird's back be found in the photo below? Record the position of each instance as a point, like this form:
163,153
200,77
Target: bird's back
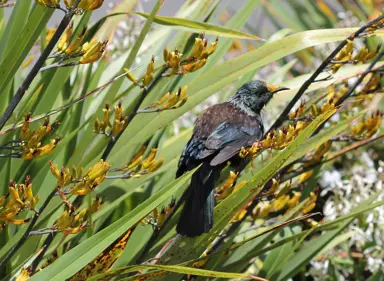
220,131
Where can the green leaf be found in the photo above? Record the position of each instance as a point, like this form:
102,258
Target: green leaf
191,25
208,28
21,46
172,268
81,255
16,22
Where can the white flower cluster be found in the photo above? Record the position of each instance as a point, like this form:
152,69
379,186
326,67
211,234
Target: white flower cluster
349,188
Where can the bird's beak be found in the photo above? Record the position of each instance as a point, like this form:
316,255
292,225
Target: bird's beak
274,89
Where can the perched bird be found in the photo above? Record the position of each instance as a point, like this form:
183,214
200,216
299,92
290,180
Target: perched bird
219,133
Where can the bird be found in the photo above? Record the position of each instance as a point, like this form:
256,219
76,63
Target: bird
219,133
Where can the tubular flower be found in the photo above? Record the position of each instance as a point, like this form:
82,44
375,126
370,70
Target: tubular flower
148,77
334,94
367,128
280,203
20,198
197,60
139,166
274,186
168,101
49,34
31,140
74,46
298,112
87,5
372,85
63,42
118,125
92,178
63,177
227,187
364,54
310,204
200,54
319,153
24,274
344,56
71,222
49,3
130,76
93,51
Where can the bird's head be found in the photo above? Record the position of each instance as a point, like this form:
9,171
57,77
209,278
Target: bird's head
253,96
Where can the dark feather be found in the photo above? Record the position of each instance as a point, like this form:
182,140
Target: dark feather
197,215
219,134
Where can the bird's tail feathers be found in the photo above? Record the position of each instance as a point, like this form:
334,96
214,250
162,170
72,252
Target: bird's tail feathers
197,215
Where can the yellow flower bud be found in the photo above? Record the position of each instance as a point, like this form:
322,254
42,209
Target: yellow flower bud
93,51
151,66
314,110
118,126
147,79
226,188
243,152
294,200
173,99
64,221
194,66
74,47
136,162
305,176
156,165
63,42
15,196
54,170
198,47
274,186
213,47
130,76
174,59
279,139
46,149
267,142
279,203
98,170
148,161
165,55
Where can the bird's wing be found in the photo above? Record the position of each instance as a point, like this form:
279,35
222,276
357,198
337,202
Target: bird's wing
229,138
189,158
219,133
